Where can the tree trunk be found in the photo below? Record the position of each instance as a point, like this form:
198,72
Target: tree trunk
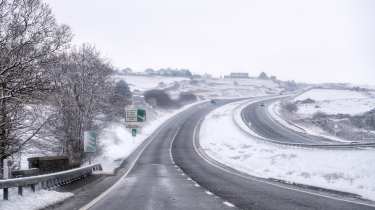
3,124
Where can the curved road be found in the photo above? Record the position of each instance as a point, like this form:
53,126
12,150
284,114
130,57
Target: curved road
257,118
170,173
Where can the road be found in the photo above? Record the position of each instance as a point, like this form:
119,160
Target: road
171,173
261,122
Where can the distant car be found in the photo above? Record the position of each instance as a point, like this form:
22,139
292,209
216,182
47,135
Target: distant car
262,104
213,101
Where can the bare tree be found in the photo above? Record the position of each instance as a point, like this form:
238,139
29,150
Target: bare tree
30,39
119,97
81,82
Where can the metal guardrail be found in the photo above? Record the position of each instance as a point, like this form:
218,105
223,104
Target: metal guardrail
48,180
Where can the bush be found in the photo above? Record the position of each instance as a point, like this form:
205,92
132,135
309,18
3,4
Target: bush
366,120
291,107
122,95
159,98
186,97
319,115
307,101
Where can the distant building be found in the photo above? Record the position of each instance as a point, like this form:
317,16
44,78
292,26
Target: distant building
238,75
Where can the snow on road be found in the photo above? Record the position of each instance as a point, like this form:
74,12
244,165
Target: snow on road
343,170
32,201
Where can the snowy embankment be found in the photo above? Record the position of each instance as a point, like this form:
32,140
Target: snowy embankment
342,170
32,201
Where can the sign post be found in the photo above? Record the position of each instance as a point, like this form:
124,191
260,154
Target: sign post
133,117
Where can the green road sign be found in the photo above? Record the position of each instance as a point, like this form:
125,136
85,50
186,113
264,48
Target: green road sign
135,115
134,132
141,115
89,141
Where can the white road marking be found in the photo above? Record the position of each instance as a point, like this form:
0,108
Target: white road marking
208,192
228,204
196,185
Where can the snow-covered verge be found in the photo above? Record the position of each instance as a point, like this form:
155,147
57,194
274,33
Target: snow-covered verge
116,142
342,170
32,201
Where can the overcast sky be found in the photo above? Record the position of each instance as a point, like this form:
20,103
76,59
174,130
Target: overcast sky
313,41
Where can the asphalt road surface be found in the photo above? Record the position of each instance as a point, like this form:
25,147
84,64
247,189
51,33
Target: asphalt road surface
260,121
171,173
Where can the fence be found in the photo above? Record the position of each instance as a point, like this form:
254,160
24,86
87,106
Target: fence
47,180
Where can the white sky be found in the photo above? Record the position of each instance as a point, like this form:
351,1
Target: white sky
313,41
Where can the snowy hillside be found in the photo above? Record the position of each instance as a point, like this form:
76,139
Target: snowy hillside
330,94
142,83
331,101
229,88
205,88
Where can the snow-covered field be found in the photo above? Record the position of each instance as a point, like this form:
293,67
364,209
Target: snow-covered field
204,88
343,170
32,201
143,83
331,101
229,88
